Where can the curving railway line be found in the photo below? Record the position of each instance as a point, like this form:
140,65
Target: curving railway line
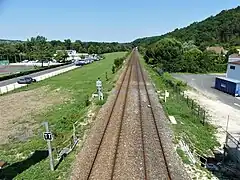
129,145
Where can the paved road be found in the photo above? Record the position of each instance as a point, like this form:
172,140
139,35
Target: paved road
205,84
10,81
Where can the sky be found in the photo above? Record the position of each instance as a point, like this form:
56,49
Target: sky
102,20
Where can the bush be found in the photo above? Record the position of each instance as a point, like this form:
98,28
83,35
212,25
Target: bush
113,69
118,62
173,82
87,102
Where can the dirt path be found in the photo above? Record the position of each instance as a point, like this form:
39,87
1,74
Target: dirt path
18,109
219,113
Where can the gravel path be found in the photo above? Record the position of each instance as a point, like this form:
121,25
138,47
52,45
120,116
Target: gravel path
129,162
107,150
156,168
134,132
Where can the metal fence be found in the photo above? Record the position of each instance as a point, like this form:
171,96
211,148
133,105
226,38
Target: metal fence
232,142
232,146
195,107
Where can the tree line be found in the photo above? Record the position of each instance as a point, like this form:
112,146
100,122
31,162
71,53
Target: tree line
39,48
222,29
170,55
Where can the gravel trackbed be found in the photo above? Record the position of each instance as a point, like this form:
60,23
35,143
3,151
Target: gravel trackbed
130,138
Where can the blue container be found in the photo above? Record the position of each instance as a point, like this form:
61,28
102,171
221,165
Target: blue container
227,85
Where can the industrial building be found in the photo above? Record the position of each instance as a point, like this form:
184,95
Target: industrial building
231,83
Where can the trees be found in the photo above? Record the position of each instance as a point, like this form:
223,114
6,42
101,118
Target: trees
192,61
61,56
38,48
222,29
68,44
171,56
91,49
168,54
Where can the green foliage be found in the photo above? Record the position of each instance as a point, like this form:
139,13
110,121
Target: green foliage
183,156
202,137
61,56
38,48
106,76
168,79
171,56
118,62
87,101
222,29
113,69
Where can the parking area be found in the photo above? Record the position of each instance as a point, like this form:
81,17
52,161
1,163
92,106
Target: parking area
205,83
220,106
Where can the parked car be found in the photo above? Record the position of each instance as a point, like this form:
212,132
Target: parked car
80,63
26,80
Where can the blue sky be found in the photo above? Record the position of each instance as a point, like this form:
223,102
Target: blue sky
102,20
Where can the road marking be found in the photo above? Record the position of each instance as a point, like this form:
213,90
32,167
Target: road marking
236,104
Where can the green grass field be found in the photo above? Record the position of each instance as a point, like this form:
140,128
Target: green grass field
76,84
188,124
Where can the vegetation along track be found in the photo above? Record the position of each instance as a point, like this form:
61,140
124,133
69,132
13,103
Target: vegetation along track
130,146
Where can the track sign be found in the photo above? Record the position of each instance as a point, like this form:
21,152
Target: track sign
47,136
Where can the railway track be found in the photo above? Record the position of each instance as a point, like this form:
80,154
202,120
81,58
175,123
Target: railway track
130,146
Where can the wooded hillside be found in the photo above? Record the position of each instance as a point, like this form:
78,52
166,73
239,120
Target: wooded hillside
222,29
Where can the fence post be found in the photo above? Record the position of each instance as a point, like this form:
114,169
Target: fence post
192,103
198,110
74,133
204,116
187,99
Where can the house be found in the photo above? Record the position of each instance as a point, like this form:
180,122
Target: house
231,83
72,54
233,68
234,57
217,49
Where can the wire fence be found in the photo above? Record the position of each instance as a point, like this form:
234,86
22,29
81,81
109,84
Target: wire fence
199,111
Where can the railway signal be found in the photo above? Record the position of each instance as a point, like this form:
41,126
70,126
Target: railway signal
99,89
48,137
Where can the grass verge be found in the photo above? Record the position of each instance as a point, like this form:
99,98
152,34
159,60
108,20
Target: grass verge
28,160
202,137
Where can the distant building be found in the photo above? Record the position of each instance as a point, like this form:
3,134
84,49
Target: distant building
72,55
238,51
231,83
217,49
233,69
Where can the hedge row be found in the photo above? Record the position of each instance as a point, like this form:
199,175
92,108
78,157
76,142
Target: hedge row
118,62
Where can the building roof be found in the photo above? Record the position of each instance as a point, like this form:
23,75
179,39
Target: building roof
216,49
229,79
235,62
234,55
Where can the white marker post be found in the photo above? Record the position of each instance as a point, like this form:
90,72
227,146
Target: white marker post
48,137
99,89
166,95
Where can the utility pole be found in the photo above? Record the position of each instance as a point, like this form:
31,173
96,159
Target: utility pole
48,137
